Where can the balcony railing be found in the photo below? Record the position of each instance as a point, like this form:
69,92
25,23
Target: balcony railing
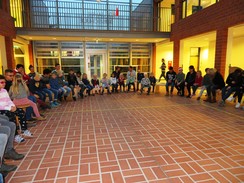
91,15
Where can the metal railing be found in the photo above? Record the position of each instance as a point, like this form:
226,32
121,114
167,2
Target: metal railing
91,15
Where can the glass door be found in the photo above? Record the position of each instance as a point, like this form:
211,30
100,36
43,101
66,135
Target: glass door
95,65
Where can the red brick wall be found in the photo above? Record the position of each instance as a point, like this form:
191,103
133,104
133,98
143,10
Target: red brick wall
176,54
217,17
7,29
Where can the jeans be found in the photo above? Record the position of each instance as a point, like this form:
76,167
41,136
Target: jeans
29,110
114,87
194,88
239,94
12,128
172,84
49,93
3,143
129,86
146,86
188,86
162,75
181,88
227,92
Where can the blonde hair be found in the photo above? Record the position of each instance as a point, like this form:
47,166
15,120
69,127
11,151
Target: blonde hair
15,85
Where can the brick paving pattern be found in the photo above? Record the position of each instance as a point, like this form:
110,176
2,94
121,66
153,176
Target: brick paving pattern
134,138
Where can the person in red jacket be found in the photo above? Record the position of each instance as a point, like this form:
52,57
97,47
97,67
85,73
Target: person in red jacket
197,83
20,69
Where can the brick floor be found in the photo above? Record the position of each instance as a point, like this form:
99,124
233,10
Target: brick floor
134,138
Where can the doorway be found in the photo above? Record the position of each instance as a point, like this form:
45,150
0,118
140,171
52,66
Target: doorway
95,64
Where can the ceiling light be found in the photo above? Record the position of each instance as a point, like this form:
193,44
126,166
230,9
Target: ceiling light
30,37
54,38
111,39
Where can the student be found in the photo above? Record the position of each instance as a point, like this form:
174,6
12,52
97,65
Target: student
206,82
81,84
170,81
20,69
163,68
8,108
73,84
190,79
95,83
139,78
131,76
217,84
32,72
35,87
152,80
62,84
145,83
114,83
233,81
197,83
117,72
180,82
105,84
55,85
121,82
88,84
46,88
239,92
19,93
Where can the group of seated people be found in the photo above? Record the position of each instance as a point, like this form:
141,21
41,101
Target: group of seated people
212,81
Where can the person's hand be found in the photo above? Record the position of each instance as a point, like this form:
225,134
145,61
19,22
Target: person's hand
48,86
13,108
185,83
228,87
233,82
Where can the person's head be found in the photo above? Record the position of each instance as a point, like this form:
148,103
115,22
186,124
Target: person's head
151,74
207,70
78,74
20,68
46,72
118,68
163,60
145,75
112,75
199,73
31,68
130,68
139,71
16,82
95,77
104,75
212,71
59,74
2,82
180,70
57,66
171,69
121,75
71,72
238,71
37,77
84,76
9,75
191,68
54,75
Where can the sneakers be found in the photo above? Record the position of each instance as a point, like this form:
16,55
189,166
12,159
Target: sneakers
40,118
27,133
7,168
56,103
18,139
12,154
53,105
238,105
230,99
167,94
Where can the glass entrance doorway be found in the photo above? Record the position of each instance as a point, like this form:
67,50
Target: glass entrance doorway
95,65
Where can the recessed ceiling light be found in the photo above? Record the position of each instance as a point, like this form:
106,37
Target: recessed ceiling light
111,39
30,37
137,40
54,38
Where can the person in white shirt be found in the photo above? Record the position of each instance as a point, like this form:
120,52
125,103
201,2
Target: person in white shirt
145,83
114,83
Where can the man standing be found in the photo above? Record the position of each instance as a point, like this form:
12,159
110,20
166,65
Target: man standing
131,76
163,67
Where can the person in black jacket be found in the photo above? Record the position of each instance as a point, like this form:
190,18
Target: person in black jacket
139,78
152,81
190,79
217,84
73,84
239,91
233,82
170,81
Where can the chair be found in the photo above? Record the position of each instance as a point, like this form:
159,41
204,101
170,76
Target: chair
23,107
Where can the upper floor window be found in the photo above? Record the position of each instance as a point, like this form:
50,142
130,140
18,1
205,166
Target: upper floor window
192,6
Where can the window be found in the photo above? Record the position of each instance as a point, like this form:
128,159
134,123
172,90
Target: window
190,7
